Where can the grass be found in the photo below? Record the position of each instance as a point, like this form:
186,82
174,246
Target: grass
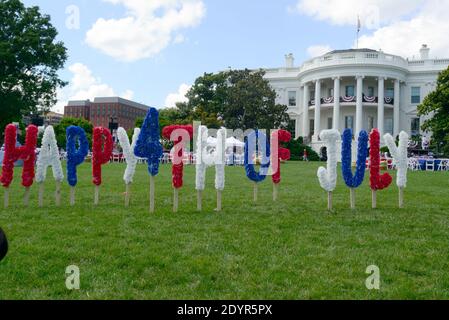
292,249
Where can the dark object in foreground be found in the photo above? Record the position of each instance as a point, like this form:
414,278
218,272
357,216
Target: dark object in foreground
3,245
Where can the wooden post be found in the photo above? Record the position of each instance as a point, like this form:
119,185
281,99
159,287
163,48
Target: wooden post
401,198
199,200
329,201
127,194
152,194
72,196
374,198
97,195
218,200
58,193
255,192
352,197
275,191
175,199
6,197
41,194
26,198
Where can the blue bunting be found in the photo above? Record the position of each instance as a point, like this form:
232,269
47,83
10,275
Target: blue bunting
257,139
75,156
346,158
148,144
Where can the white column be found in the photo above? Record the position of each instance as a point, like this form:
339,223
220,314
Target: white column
336,116
317,120
381,106
396,114
305,111
359,106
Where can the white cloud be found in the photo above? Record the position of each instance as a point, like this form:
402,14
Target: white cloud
147,29
84,85
430,26
318,50
397,27
179,96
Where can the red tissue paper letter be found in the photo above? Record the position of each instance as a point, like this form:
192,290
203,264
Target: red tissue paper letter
377,181
278,152
180,135
101,152
27,153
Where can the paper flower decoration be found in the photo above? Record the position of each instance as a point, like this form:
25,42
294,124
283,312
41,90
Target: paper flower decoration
75,156
148,145
27,153
282,154
346,158
102,145
49,156
328,177
377,181
256,144
128,152
399,155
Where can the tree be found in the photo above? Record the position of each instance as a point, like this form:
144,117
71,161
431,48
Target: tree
60,129
30,57
237,99
436,106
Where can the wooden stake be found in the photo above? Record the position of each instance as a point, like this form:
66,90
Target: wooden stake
26,197
72,196
329,201
96,195
401,198
275,191
58,193
218,200
255,192
175,199
151,194
374,198
352,197
199,200
41,194
6,197
127,194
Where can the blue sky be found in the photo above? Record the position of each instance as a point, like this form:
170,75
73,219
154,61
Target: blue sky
209,36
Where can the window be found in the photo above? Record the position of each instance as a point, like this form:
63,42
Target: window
292,98
370,123
415,126
312,126
349,122
349,91
331,92
330,123
389,93
389,125
312,95
370,92
416,95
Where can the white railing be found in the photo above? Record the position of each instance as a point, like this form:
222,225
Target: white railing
354,58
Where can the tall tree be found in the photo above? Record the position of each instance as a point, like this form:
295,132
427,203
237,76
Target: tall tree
238,99
30,57
436,107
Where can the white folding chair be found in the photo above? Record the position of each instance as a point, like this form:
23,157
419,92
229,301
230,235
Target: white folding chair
430,165
443,165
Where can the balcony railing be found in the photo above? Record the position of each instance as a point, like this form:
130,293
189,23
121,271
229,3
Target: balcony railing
353,99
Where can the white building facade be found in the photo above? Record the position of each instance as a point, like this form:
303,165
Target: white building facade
357,89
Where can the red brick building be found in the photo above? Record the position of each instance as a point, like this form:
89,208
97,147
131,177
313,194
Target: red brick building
101,111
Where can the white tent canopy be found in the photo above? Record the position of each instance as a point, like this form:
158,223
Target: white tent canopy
230,142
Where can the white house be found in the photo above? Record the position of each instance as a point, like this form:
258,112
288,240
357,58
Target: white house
357,89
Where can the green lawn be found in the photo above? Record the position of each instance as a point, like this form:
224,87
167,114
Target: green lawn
292,249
